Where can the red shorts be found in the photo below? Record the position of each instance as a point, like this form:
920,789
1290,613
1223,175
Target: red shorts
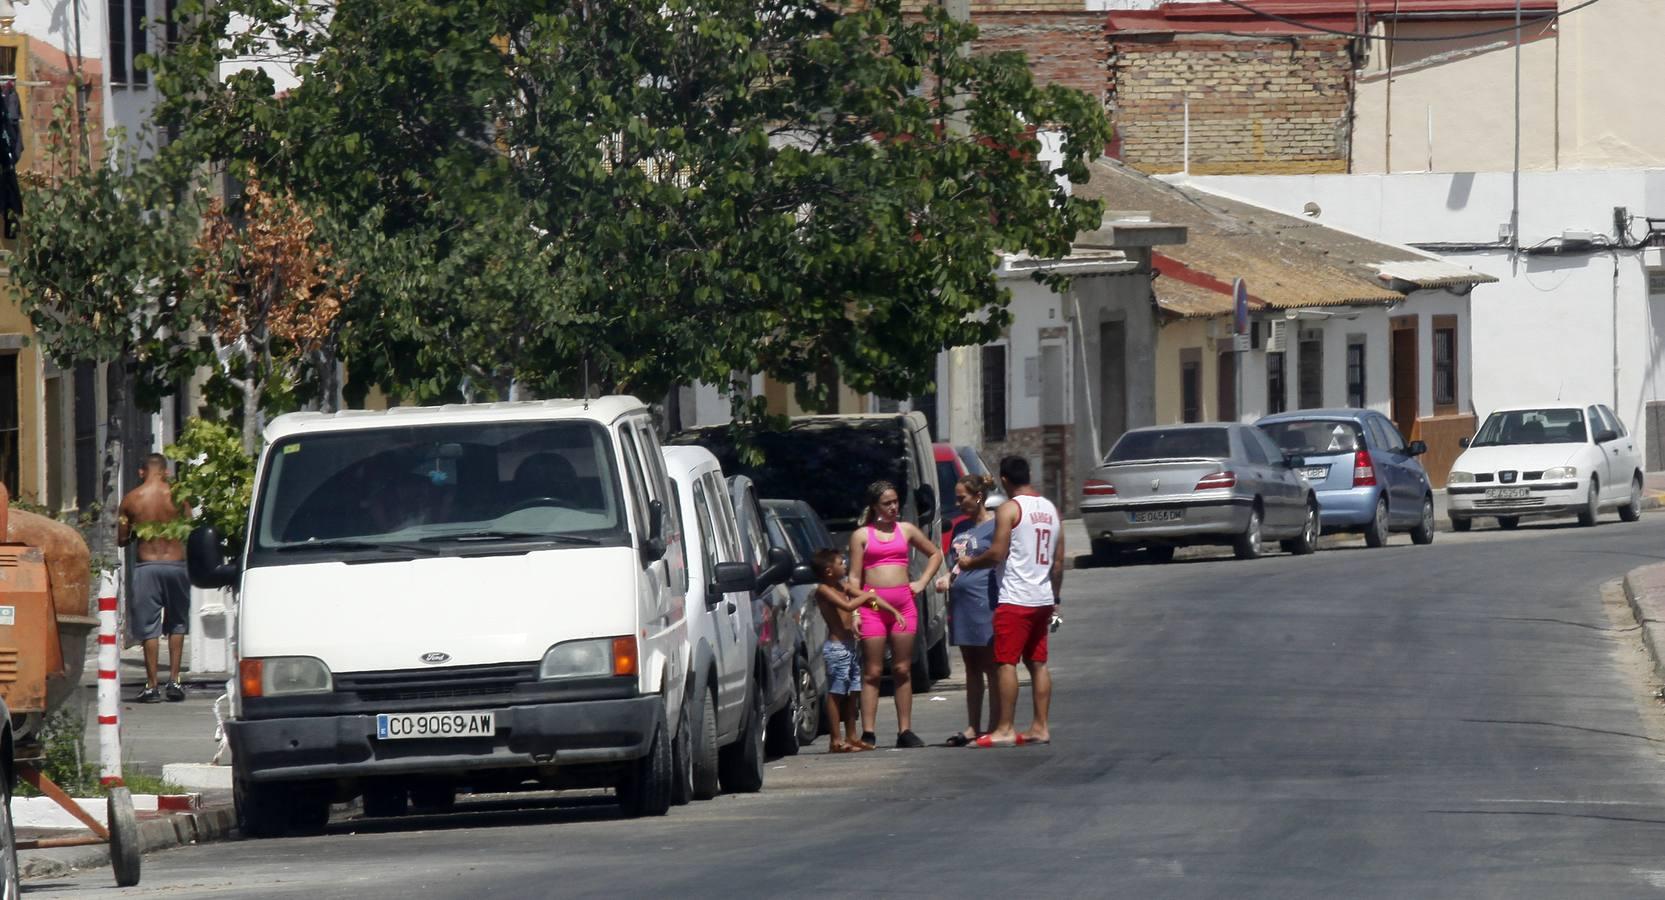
1020,633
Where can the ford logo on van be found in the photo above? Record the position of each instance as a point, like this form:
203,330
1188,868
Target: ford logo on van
435,658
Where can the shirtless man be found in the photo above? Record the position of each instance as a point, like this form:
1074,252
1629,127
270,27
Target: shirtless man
161,599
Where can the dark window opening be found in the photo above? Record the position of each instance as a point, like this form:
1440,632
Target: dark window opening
10,426
1355,375
1277,390
1445,364
117,60
994,393
1190,389
1312,373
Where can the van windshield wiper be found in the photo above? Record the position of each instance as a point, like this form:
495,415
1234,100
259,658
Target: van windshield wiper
350,546
489,535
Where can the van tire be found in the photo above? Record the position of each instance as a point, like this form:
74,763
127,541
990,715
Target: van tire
682,753
740,764
385,800
432,797
646,788
942,664
276,810
705,751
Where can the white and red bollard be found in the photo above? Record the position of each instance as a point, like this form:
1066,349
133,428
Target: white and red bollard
109,678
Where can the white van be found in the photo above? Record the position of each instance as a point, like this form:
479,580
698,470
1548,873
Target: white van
481,598
726,696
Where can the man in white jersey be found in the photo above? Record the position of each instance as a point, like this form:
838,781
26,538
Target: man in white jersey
1029,549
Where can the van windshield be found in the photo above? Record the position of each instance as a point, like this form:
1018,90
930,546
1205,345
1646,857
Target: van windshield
431,488
826,464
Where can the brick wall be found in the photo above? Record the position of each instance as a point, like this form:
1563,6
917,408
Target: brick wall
1062,48
1270,106
1060,484
50,83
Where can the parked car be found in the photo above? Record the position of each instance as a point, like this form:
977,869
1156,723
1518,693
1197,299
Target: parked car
1546,461
1367,478
778,633
10,874
454,598
1223,483
725,740
793,525
954,463
828,462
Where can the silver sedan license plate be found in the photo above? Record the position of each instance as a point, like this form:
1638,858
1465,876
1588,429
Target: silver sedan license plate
1506,493
407,726
1158,515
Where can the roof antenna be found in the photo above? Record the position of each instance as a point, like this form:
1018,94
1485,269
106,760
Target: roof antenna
586,381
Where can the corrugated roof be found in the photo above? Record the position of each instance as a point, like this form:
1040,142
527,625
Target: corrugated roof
1341,15
1286,261
1188,301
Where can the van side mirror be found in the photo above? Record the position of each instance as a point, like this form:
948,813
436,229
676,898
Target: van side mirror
927,500
204,564
728,578
803,574
1416,448
653,546
776,569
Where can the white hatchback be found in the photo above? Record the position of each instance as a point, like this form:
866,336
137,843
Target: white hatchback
1546,461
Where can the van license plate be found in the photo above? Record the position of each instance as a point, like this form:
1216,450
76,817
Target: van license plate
405,726
1506,493
1158,515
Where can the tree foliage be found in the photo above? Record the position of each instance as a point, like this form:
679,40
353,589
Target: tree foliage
656,191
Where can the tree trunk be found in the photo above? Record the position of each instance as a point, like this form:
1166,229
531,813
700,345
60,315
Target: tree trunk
251,416
115,457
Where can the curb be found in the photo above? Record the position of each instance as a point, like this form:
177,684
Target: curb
1639,598
44,812
201,827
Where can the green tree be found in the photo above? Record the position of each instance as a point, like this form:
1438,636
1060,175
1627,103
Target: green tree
655,191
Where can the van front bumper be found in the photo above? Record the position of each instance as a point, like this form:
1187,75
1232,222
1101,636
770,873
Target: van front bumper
565,734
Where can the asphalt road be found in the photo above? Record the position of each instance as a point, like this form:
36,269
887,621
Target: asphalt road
1463,720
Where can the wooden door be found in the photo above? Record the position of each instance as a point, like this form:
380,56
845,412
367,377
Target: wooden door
1404,375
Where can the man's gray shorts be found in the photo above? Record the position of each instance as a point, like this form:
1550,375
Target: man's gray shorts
161,600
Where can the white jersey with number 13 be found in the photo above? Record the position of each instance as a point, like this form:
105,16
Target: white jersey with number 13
1026,575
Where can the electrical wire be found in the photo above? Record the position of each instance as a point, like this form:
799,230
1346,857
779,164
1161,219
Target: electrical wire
1365,36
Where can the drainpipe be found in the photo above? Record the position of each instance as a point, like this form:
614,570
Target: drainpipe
1514,208
1087,383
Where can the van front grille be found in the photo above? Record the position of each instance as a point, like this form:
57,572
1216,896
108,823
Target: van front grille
433,684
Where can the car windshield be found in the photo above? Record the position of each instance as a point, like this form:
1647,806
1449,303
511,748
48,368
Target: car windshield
806,539
1315,437
1172,443
973,463
1532,426
433,485
948,475
826,464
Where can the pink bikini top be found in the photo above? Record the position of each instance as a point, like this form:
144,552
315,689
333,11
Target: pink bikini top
893,552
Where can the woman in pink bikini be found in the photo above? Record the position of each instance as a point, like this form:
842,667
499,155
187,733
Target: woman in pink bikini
879,552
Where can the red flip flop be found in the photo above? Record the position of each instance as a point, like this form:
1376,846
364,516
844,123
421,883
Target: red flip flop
987,742
1025,741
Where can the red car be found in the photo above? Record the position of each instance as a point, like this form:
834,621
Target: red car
954,463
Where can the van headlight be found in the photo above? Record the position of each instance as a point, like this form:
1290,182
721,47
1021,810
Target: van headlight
1460,478
1561,473
283,676
595,658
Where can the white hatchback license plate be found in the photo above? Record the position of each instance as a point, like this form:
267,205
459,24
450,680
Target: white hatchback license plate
1315,473
1158,515
1507,493
405,726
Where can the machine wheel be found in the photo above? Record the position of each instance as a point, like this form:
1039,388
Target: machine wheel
705,751
1632,510
646,789
1423,533
124,837
740,764
1592,506
385,800
1248,545
1307,542
1376,533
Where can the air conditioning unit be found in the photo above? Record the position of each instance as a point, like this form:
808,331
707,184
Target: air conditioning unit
1277,336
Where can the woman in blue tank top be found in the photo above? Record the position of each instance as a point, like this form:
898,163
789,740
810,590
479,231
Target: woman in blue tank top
971,599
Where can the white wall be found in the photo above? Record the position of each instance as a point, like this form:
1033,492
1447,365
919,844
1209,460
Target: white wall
1548,328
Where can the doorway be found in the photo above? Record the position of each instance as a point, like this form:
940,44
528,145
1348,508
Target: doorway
1112,383
1404,365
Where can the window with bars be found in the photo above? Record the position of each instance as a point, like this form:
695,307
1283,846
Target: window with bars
1355,374
994,392
1312,371
1277,388
129,26
1190,386
1445,362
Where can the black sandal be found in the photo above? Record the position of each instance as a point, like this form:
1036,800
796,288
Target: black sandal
958,740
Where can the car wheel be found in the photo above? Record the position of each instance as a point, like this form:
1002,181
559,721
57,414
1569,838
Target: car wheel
919,674
1423,533
1106,552
1248,545
1632,510
9,872
780,734
1592,506
1307,542
942,663
1160,553
1376,533
1508,523
809,705
646,788
385,800
1461,525
705,751
740,764
682,752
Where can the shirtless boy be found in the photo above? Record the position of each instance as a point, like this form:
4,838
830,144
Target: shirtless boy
161,599
838,606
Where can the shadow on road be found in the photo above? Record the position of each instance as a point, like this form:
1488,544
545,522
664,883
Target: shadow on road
493,811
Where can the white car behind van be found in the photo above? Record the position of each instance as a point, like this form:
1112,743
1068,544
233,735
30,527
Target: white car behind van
460,598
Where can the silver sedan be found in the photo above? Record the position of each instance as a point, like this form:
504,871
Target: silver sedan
1170,486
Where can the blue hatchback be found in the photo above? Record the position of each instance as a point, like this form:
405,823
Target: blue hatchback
1366,476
